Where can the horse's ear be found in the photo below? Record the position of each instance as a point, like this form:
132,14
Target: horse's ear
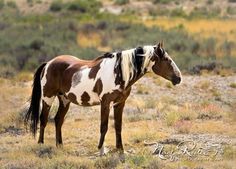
162,44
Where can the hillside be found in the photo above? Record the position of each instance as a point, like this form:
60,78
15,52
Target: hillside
88,29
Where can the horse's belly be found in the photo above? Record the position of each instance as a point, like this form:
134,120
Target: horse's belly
84,98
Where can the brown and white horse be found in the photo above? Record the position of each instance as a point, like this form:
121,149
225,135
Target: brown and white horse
106,80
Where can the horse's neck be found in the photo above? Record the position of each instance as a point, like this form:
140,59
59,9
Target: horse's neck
135,80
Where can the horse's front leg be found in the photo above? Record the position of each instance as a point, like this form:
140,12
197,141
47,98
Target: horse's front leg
118,111
105,109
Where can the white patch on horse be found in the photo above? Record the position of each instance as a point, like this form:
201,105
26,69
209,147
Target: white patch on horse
64,100
148,53
47,100
175,67
127,65
103,150
107,76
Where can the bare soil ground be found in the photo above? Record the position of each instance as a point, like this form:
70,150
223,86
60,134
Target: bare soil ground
160,122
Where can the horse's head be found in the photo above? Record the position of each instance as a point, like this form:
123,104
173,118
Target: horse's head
165,66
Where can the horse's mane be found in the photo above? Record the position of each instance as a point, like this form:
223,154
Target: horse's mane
135,62
131,62
105,55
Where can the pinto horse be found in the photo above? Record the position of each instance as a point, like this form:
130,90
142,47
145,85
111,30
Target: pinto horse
106,80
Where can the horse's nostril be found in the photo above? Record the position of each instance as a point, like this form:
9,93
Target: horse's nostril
176,80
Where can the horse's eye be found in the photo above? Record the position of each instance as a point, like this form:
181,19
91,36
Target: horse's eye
165,59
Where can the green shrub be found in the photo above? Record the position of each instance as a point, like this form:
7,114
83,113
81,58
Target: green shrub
107,162
209,2
84,6
159,12
121,2
11,4
161,1
2,3
231,10
203,12
138,160
178,12
56,6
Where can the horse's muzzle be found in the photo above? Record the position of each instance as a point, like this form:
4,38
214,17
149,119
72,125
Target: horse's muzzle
176,80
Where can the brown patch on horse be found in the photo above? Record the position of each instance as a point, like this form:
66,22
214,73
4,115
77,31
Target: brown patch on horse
72,98
98,87
116,96
85,99
94,70
61,71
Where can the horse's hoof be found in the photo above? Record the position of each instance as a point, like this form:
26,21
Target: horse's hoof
59,145
103,151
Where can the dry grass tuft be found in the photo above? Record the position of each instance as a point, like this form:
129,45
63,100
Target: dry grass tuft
183,126
204,85
110,161
229,153
142,89
24,77
88,40
233,85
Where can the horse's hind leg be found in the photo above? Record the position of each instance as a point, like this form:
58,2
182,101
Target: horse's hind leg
64,104
44,118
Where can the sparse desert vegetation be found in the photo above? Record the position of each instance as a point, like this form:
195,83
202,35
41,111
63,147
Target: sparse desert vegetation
199,36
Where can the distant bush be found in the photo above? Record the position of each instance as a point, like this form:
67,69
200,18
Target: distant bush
227,47
7,71
203,12
36,44
121,2
161,1
163,11
56,6
83,6
209,47
30,2
2,3
232,1
11,4
231,10
179,12
209,2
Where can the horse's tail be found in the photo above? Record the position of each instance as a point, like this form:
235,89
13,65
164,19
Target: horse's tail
33,111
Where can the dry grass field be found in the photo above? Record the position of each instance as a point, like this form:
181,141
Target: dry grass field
201,109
